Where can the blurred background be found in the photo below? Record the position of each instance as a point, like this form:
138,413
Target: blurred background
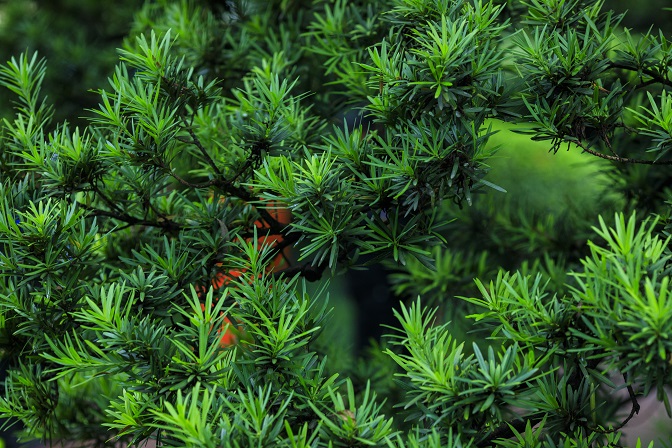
541,223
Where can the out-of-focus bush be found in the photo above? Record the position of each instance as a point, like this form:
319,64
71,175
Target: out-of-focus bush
78,38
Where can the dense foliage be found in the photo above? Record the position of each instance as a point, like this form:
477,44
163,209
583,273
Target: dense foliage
151,286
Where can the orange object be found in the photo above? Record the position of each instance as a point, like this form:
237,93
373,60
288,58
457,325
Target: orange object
221,279
229,337
282,216
229,334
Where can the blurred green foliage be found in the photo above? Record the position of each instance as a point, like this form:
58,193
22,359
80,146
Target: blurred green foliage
79,39
643,14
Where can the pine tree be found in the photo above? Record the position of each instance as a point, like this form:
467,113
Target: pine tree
155,261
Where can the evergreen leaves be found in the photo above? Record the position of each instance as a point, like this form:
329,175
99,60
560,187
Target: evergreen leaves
145,263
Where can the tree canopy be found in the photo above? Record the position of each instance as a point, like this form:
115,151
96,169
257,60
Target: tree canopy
155,257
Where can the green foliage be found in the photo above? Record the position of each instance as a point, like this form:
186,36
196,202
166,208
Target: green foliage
78,38
147,289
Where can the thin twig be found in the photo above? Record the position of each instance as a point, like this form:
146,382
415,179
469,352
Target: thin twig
226,185
166,224
650,73
644,84
186,183
620,159
635,406
273,224
633,410
245,167
110,203
197,142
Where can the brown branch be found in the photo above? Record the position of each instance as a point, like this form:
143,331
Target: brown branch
287,240
633,410
197,142
616,158
645,84
186,183
650,73
245,167
166,224
635,406
110,203
226,185
273,224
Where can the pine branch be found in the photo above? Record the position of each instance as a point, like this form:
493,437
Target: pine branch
616,158
226,185
655,77
506,430
197,142
165,224
634,409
